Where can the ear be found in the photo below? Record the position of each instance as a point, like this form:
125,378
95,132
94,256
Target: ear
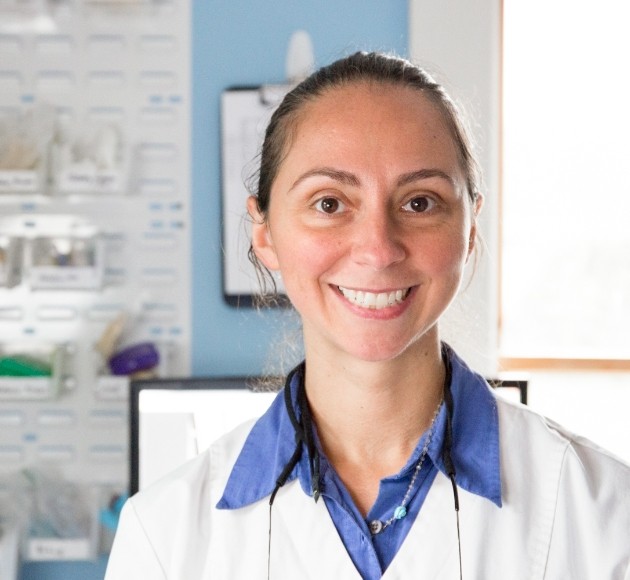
261,236
472,240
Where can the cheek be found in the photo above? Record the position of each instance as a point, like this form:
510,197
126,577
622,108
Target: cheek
302,259
444,269
448,255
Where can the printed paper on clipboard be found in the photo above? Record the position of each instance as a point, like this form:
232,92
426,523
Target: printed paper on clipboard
245,113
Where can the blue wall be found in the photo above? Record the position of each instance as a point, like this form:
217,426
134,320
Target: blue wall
237,42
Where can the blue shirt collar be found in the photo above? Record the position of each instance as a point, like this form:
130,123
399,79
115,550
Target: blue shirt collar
475,450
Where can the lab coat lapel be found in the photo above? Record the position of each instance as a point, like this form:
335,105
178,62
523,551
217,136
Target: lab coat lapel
305,543
430,549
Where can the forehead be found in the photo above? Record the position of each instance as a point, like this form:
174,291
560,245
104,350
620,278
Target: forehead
376,119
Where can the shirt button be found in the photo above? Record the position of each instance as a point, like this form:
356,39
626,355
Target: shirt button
376,526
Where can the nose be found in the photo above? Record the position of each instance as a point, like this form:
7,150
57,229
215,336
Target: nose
377,242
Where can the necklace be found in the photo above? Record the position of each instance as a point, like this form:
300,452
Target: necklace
377,526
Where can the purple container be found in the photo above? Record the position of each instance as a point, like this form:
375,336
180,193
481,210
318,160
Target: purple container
138,357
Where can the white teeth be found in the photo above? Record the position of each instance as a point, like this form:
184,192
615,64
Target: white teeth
372,300
350,295
381,300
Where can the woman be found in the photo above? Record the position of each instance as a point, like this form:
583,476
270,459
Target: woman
367,205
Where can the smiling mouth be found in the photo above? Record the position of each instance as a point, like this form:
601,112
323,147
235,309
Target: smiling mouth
374,300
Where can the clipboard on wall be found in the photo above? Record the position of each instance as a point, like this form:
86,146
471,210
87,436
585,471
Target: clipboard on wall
245,112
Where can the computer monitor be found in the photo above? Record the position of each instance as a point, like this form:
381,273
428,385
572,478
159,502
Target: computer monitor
514,390
172,420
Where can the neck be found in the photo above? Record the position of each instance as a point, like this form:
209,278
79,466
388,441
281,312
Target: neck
370,415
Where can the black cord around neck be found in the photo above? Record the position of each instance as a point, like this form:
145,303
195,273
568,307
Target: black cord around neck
447,447
304,437
303,427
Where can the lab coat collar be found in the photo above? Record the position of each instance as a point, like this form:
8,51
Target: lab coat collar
475,449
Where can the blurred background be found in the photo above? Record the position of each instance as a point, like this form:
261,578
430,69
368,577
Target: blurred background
127,131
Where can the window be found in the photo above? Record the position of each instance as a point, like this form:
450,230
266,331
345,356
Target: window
565,281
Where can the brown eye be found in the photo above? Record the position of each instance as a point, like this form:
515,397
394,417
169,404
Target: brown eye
329,205
419,204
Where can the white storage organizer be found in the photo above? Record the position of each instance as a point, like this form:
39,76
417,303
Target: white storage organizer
94,222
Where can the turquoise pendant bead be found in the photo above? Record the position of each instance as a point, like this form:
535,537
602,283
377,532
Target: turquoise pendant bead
400,512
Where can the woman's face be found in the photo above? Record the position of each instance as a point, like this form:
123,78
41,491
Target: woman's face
369,222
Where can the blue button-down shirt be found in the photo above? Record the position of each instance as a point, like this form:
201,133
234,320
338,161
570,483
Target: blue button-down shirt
475,454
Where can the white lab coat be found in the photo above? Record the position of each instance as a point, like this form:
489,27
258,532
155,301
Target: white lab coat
565,516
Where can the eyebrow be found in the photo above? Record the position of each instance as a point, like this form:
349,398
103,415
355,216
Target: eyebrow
421,174
344,177
348,178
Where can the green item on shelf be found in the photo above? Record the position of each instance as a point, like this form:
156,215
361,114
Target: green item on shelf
23,366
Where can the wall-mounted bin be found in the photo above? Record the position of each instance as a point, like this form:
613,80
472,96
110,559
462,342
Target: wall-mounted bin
33,372
11,256
88,160
24,138
63,522
72,262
